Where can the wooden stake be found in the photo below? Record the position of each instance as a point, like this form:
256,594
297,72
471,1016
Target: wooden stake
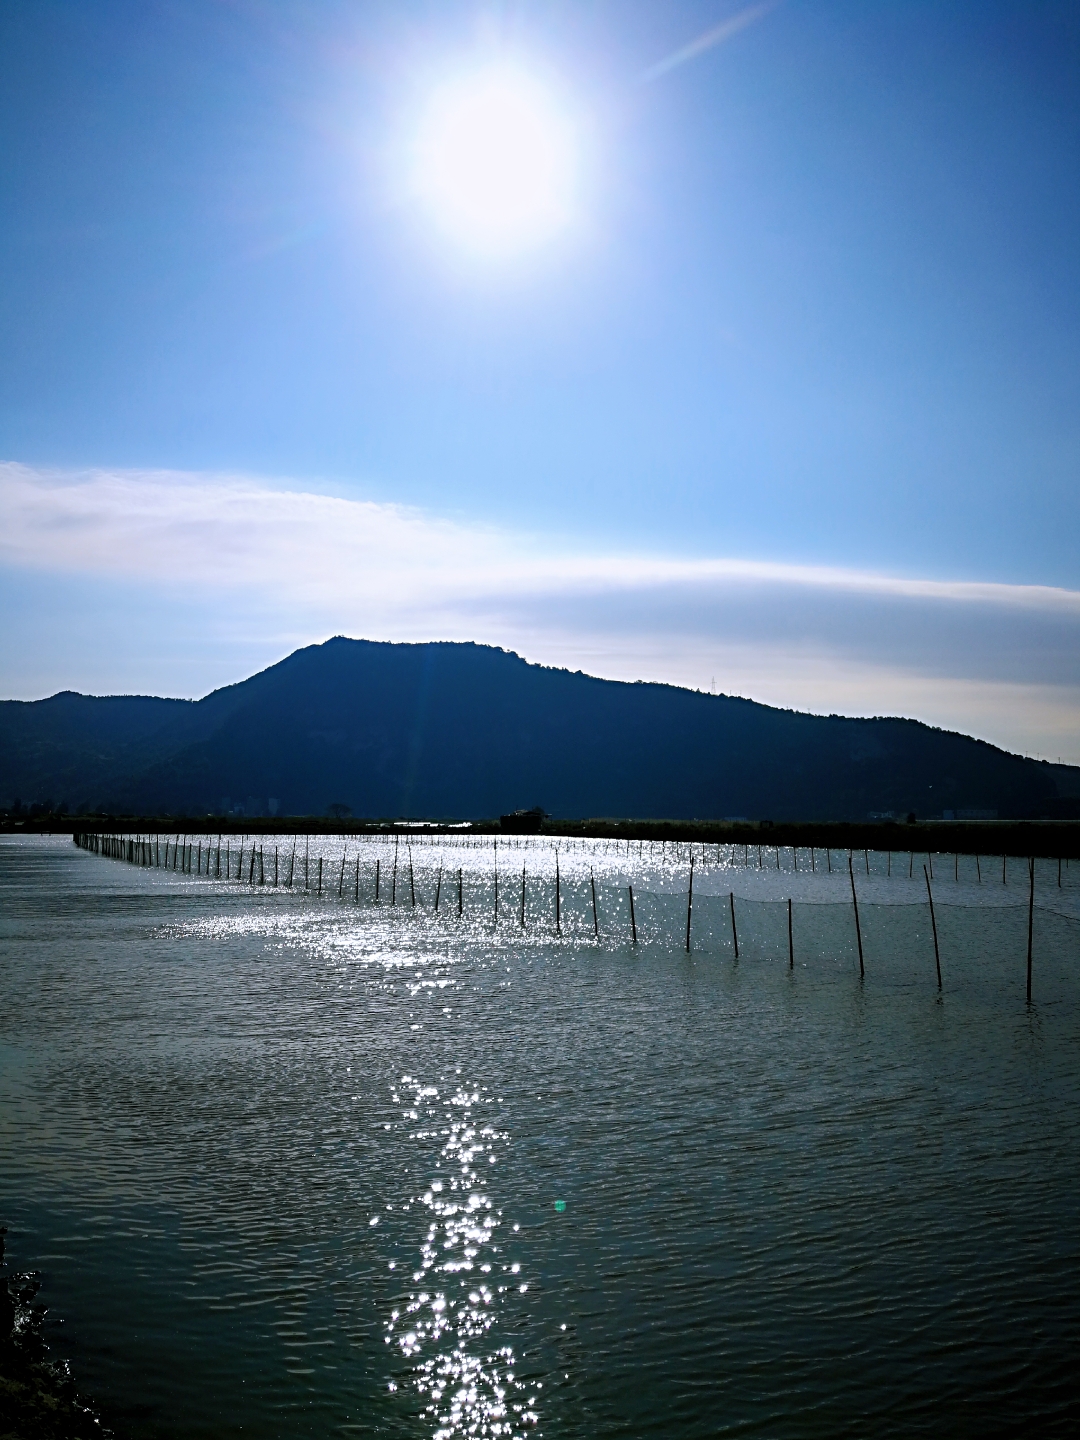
978,869
633,921
595,916
855,906
356,891
438,888
790,941
460,897
1031,920
376,882
690,898
341,877
933,925
558,915
412,884
734,932
523,897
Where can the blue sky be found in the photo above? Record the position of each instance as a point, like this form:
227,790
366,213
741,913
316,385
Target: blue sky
816,316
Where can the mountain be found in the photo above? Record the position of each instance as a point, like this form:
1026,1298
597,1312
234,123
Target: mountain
469,731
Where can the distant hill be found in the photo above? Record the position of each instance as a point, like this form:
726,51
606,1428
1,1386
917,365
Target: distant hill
469,731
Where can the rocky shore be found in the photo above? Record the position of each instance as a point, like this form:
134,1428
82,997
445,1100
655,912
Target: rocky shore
38,1400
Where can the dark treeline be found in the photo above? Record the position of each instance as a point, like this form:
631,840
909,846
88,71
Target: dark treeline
1044,839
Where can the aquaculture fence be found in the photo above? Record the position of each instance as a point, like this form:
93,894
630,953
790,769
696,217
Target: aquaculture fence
849,909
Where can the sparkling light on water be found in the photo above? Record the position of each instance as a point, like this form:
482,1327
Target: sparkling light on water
464,1275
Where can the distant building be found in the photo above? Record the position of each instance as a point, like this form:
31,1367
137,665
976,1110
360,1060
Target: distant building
523,822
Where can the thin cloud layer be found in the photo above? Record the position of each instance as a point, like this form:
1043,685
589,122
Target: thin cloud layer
1001,661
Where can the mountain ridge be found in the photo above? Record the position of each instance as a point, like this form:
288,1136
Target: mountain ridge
461,730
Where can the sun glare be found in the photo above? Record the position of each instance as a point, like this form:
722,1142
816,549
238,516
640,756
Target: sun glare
495,161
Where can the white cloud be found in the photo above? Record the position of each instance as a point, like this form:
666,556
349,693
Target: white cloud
1001,661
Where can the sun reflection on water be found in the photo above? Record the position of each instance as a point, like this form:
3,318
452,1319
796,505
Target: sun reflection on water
463,1277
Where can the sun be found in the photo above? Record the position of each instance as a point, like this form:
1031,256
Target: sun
495,161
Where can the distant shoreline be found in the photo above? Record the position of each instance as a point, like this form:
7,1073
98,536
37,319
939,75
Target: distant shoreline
1044,839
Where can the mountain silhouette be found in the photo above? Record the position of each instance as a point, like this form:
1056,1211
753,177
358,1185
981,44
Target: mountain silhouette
447,730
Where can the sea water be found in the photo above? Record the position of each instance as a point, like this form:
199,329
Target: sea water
292,1166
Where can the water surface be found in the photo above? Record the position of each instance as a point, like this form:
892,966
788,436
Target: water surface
297,1167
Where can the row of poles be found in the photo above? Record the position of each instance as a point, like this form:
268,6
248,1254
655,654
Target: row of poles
187,858
680,851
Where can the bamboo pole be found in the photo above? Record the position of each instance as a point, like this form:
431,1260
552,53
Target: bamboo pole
690,898
734,932
523,897
633,921
558,897
855,906
933,926
790,940
595,916
320,877
1031,920
460,894
438,888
